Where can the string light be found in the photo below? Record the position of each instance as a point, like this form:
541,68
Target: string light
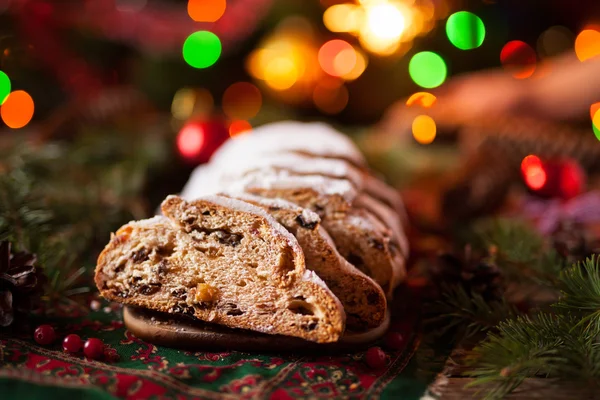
465,30
427,69
239,127
587,44
5,87
201,49
424,129
17,109
206,10
519,59
242,100
423,99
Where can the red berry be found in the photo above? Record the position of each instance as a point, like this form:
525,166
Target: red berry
72,343
394,340
375,358
93,348
44,334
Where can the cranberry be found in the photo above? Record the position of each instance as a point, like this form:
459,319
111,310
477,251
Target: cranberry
72,343
93,348
394,340
375,358
44,334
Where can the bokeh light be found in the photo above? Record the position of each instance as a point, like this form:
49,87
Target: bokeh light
587,44
330,96
239,127
17,109
519,59
190,140
359,67
554,41
596,123
427,69
242,100
343,18
465,30
533,172
385,21
281,73
206,10
593,108
424,129
4,87
423,99
337,57
189,102
202,49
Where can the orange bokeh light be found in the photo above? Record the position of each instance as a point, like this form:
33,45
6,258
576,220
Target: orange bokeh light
422,99
242,100
587,44
206,10
239,127
17,110
533,172
424,129
331,97
337,57
594,109
519,59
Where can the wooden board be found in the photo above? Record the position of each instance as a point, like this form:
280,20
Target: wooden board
191,334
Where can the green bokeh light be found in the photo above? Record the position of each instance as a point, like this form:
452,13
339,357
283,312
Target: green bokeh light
465,30
201,49
596,131
4,87
427,69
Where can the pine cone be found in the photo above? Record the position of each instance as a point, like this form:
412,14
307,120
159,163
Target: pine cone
476,274
21,283
569,239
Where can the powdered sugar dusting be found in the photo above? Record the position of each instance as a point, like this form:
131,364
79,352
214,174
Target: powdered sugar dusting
312,138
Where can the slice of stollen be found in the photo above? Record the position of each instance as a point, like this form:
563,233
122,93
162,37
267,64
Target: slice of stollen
362,298
225,262
310,138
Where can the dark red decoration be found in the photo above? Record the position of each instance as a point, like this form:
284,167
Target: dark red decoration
375,358
394,340
553,178
93,348
197,140
44,335
72,343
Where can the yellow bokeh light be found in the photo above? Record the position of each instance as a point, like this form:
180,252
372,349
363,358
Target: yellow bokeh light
587,44
385,21
424,129
359,67
343,18
424,99
188,102
596,119
281,73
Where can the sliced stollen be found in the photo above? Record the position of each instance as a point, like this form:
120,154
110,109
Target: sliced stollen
363,300
222,261
306,138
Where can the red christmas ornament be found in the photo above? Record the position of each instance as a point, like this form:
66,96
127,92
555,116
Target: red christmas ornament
93,348
72,343
198,140
44,335
375,358
394,340
553,178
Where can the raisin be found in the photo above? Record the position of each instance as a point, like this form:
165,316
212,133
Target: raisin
305,224
180,293
136,279
162,267
120,267
140,256
165,251
355,260
206,212
378,244
228,238
150,288
235,313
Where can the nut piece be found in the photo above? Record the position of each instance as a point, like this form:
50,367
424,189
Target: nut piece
205,293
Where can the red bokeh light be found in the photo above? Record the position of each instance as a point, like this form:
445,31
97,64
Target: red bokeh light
533,172
190,141
519,59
